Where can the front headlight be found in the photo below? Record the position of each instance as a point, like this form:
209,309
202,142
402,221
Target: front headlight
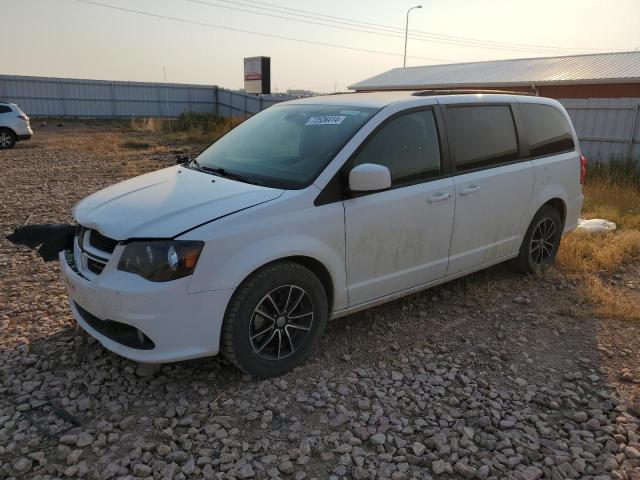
160,260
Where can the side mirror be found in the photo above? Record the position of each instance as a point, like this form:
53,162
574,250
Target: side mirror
182,159
369,177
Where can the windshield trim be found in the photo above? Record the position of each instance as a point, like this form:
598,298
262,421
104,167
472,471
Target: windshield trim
284,185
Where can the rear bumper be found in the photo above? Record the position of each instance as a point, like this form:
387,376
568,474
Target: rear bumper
173,324
22,130
574,207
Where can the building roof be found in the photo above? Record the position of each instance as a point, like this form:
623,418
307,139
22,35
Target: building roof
618,67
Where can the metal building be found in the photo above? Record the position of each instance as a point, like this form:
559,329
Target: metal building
602,75
601,92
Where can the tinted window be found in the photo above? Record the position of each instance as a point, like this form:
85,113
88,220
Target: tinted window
286,146
407,146
4,109
547,128
482,136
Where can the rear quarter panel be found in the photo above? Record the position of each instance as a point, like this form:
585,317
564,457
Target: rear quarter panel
557,176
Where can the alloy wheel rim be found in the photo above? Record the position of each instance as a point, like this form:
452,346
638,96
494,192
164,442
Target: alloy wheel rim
281,322
543,241
5,139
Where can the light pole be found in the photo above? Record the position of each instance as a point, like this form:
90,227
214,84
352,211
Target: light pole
406,32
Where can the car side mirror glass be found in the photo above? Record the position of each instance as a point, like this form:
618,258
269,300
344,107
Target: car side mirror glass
369,177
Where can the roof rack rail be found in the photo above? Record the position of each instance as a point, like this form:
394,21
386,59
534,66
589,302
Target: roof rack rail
426,93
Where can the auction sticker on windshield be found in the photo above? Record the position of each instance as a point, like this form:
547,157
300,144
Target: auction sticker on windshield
326,120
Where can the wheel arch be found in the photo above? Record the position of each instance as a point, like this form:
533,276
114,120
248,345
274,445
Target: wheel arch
15,135
314,265
523,262
559,205
553,195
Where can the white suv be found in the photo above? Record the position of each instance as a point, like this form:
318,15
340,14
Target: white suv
14,125
314,209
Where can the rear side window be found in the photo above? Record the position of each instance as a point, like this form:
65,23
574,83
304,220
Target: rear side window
547,128
482,136
5,109
407,145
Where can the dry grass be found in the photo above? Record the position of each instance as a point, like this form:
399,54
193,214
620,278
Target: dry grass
598,253
615,202
587,258
607,300
103,143
189,127
148,125
211,133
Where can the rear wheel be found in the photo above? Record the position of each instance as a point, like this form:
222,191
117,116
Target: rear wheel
541,242
7,139
274,320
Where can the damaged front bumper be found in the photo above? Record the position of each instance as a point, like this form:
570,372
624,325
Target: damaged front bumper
150,322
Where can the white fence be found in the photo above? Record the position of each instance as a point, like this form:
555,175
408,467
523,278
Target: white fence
67,97
608,128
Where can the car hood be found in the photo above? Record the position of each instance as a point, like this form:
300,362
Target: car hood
165,203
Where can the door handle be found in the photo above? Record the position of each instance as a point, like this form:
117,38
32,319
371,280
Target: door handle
439,197
469,190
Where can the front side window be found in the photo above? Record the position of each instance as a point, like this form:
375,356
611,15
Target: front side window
407,145
285,146
4,109
482,136
548,130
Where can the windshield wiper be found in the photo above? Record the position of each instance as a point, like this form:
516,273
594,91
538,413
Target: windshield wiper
227,174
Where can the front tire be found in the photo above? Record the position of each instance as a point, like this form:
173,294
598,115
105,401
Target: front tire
7,139
541,242
274,320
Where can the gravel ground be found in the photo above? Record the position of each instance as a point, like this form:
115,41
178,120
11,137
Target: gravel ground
492,376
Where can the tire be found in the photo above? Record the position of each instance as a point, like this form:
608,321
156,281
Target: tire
274,320
541,242
7,139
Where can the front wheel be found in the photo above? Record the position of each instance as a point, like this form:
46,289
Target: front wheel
7,139
274,320
541,242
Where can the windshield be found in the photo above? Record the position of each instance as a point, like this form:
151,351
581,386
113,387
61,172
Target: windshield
285,146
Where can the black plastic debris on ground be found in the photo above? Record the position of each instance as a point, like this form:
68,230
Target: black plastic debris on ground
50,238
56,409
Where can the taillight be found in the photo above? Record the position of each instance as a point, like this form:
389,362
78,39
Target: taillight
583,168
23,117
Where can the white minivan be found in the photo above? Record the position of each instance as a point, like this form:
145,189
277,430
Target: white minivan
317,208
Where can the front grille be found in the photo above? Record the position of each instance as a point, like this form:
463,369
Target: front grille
95,266
100,242
95,251
118,332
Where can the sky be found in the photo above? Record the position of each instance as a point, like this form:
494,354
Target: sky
68,38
